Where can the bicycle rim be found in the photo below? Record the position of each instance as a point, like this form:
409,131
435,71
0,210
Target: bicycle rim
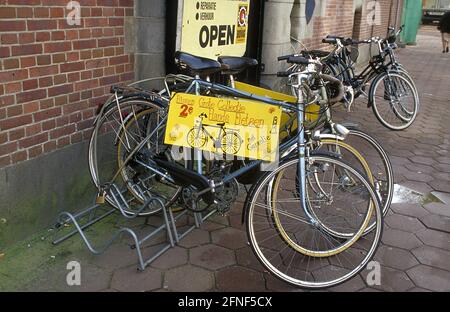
295,267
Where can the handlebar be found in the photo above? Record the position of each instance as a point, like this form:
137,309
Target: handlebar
286,57
284,74
344,41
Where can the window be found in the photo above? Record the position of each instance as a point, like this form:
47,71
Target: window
436,4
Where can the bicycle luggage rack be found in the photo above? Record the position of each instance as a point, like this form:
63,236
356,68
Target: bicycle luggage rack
99,212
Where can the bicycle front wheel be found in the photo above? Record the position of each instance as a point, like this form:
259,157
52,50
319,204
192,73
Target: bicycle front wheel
298,246
394,101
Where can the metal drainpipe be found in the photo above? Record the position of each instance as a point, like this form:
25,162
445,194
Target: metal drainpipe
396,13
390,17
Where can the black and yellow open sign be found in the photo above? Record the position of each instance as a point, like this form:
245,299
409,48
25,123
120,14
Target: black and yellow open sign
214,28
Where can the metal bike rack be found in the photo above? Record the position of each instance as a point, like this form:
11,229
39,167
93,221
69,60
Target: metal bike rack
88,217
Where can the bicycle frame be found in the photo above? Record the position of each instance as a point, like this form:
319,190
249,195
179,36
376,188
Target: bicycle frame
197,85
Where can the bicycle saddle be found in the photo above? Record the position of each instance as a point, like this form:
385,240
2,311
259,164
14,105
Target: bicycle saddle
196,65
236,64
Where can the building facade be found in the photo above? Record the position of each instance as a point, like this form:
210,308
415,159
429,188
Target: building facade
53,76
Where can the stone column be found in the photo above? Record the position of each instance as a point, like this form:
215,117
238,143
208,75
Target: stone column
145,36
282,20
276,37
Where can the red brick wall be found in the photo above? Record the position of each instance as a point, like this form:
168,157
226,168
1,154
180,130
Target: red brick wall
340,20
52,75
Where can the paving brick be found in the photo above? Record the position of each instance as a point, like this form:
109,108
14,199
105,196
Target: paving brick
211,226
417,289
392,280
440,185
435,238
418,176
404,223
239,279
188,279
174,257
432,256
212,257
395,258
117,256
230,238
196,238
400,239
420,187
409,209
439,209
275,284
355,284
236,222
436,222
430,278
246,257
130,279
422,160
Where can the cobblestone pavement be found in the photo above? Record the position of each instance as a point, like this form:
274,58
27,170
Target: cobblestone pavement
415,253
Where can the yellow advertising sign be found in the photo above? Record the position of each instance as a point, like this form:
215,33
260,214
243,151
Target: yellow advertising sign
312,111
214,28
241,128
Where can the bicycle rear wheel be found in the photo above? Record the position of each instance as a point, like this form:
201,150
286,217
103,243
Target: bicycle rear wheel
302,251
116,134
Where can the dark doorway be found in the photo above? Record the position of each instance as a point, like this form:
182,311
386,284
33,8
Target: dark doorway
254,41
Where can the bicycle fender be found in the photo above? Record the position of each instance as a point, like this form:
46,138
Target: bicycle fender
372,87
111,102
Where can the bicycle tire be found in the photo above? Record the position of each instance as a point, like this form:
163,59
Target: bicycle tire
372,95
251,203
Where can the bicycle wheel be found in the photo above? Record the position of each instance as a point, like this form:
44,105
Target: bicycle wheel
231,143
365,154
302,251
116,133
141,181
379,163
394,101
398,69
197,138
351,156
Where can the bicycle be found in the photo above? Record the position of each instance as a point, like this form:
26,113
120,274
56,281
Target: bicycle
228,140
397,84
331,136
383,176
207,190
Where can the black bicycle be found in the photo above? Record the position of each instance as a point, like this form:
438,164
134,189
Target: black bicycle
392,93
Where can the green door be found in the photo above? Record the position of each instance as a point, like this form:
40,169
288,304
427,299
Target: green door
412,15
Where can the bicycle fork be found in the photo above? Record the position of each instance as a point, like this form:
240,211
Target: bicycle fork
302,150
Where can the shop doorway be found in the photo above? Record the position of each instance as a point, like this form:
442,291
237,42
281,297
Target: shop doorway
254,37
